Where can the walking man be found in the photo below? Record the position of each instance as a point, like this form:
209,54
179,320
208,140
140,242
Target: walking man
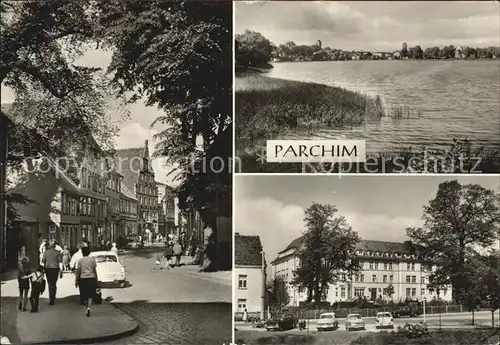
177,253
52,260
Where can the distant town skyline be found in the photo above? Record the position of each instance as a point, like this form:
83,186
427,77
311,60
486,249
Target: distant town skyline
377,207
373,26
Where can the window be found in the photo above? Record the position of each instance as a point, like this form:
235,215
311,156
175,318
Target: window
408,266
391,278
242,281
422,292
385,266
414,279
359,292
342,292
390,266
384,279
422,280
376,265
336,292
374,278
408,279
371,265
413,266
413,292
242,305
362,278
408,292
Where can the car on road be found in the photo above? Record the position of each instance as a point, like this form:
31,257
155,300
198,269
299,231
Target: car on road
281,323
384,320
404,312
354,321
327,322
110,270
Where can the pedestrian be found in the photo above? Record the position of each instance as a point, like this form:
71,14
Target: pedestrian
37,288
109,245
52,260
245,315
168,257
77,256
114,249
86,278
41,249
24,283
177,253
66,258
58,247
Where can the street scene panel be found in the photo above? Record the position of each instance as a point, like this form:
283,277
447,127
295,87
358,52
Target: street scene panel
116,148
417,82
367,260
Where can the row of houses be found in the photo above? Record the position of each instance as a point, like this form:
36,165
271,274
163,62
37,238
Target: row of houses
86,196
382,263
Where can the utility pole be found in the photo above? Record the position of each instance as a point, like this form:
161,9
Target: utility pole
263,297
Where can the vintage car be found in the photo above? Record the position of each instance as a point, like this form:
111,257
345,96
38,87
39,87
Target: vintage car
354,322
404,312
281,322
327,322
110,270
384,320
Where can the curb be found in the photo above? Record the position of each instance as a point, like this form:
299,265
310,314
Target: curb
201,276
92,340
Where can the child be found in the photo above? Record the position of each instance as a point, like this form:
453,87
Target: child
24,283
66,256
37,288
168,257
157,262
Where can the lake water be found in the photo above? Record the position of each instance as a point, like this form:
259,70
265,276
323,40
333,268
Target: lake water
458,99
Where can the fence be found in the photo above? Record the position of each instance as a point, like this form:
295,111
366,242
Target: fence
313,314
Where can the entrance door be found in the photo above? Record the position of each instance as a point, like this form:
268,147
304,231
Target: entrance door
374,294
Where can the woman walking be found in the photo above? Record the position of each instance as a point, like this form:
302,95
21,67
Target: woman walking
66,257
86,277
24,283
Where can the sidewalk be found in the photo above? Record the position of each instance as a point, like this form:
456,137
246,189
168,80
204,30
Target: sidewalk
224,277
63,323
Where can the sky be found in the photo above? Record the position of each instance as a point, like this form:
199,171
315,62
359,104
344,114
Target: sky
374,25
377,207
135,130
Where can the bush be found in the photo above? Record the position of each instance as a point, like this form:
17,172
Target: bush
414,331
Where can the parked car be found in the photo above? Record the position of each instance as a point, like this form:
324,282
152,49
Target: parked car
384,320
281,322
354,321
110,270
327,322
404,312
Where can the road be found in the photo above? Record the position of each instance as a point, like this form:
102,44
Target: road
172,306
341,336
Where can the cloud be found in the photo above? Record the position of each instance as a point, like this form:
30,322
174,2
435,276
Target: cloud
278,223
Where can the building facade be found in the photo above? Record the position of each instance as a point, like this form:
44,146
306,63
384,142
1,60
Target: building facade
383,264
128,213
138,176
249,272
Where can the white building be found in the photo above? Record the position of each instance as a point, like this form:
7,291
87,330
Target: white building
382,264
249,273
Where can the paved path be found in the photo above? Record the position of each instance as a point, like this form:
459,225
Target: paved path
178,306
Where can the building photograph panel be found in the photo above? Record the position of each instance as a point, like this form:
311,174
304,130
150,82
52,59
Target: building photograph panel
417,81
364,253
115,174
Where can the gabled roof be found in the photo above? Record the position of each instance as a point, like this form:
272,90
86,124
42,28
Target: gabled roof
129,162
126,192
372,245
247,250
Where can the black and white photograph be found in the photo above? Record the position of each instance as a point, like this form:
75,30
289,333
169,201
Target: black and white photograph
116,186
367,260
418,81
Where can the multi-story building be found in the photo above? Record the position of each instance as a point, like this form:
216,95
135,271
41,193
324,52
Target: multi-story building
382,264
113,201
138,176
250,274
128,212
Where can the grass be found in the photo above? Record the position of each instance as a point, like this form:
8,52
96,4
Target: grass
268,108
445,337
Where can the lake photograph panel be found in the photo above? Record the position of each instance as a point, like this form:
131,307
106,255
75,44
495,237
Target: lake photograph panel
418,82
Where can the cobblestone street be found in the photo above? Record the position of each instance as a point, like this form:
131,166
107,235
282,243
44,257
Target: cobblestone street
172,306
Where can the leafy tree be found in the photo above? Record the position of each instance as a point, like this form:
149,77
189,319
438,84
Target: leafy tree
457,220
389,291
404,52
419,54
176,56
328,253
488,272
255,47
277,294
